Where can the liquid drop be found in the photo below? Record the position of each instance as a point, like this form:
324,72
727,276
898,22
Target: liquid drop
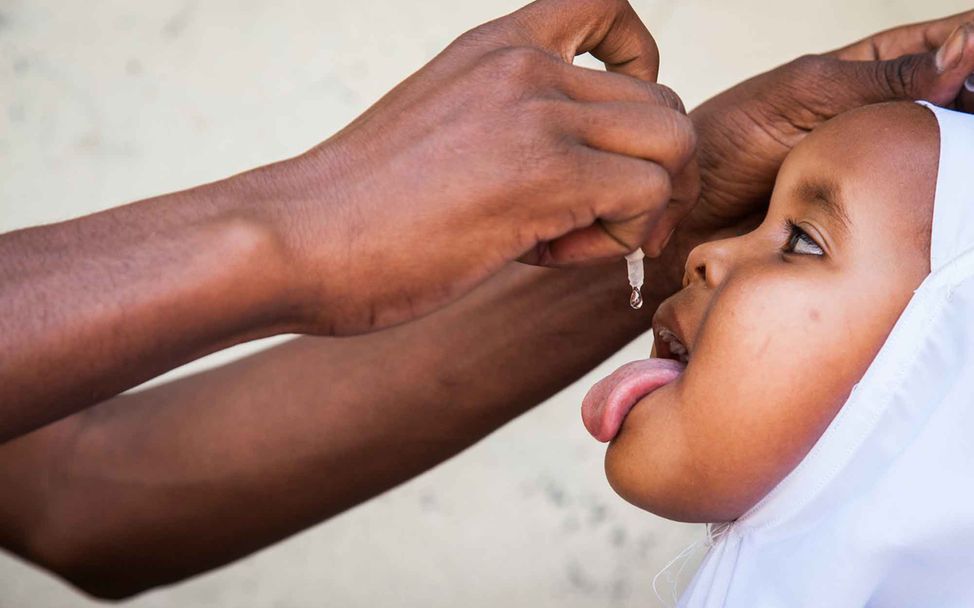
636,299
634,267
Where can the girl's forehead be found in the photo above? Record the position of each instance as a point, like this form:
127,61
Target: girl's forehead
874,163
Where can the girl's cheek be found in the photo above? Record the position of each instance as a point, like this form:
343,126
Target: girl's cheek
763,368
765,378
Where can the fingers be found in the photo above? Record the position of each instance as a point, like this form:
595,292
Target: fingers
591,245
583,84
651,132
953,66
609,29
644,182
626,196
633,133
934,76
934,33
636,202
932,60
904,40
686,192
666,139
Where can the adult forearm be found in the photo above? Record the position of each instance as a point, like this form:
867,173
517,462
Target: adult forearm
98,304
422,198
152,487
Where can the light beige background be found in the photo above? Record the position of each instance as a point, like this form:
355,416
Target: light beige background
107,101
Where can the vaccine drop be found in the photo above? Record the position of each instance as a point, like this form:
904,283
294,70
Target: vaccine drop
636,299
634,266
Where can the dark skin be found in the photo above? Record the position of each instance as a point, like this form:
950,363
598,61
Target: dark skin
778,328
746,132
146,489
498,149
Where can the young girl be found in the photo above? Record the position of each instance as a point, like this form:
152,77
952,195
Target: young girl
814,379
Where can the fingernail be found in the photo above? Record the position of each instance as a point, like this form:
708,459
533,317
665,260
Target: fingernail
969,83
951,52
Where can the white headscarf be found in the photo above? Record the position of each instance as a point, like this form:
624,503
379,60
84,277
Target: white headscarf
881,510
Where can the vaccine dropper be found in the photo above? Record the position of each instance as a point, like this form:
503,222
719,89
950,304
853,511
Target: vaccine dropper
634,265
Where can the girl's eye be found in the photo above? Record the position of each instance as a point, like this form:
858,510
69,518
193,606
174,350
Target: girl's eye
800,243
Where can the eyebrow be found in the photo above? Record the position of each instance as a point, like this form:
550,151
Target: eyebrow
827,196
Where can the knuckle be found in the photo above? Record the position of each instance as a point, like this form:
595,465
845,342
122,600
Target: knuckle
473,36
897,77
806,68
514,64
810,86
488,36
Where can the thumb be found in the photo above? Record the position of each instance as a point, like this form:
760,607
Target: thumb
960,42
936,76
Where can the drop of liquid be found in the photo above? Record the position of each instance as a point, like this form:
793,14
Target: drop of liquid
636,299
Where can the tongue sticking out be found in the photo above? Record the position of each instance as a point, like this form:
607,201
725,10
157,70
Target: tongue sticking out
609,401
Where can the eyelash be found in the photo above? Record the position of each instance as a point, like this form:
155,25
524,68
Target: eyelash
795,236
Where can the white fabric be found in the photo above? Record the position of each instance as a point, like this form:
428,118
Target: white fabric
881,511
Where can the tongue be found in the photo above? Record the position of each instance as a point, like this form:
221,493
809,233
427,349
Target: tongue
609,401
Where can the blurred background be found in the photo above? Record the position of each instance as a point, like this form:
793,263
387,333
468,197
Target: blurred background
108,101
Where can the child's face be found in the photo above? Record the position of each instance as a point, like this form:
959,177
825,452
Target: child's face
780,323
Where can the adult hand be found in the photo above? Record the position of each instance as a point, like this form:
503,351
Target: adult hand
746,131
498,149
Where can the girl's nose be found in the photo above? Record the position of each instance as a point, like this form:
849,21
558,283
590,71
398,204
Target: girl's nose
708,263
